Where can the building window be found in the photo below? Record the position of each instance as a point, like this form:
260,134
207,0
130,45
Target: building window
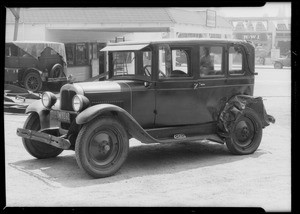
281,27
211,61
235,61
190,35
81,54
77,54
214,35
260,26
283,35
240,27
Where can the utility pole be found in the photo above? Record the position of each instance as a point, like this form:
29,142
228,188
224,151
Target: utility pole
16,13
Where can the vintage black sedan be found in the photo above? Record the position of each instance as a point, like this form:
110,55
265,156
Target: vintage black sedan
150,97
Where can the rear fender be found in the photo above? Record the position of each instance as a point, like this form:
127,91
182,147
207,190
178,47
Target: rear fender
238,103
129,123
38,107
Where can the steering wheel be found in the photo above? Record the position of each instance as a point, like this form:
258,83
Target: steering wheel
161,74
147,72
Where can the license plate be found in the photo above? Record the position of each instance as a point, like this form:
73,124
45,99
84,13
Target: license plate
61,116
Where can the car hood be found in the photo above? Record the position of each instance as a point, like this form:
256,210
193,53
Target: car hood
102,87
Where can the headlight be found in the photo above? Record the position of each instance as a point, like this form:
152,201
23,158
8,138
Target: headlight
80,102
48,99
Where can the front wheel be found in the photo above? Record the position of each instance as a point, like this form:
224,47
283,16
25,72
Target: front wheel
38,149
101,147
245,133
278,65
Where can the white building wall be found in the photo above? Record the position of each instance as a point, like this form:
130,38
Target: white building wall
68,36
33,32
186,28
143,36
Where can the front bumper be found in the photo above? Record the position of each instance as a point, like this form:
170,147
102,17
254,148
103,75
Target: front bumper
47,136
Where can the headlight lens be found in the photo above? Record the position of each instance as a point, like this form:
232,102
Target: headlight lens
48,99
77,103
80,102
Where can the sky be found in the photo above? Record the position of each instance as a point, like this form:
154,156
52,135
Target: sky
270,9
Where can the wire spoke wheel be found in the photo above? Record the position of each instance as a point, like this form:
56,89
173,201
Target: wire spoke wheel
33,82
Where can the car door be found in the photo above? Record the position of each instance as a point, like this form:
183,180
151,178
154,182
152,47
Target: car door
176,99
226,78
211,81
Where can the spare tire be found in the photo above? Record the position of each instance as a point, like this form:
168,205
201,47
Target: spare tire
57,71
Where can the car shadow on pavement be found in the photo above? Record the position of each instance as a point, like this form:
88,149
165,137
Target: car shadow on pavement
143,160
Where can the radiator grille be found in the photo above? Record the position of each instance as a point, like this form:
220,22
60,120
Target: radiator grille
66,99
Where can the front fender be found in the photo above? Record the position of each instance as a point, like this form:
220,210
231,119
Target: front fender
43,113
129,123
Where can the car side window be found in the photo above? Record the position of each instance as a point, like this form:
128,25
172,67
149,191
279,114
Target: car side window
174,63
211,61
147,62
235,64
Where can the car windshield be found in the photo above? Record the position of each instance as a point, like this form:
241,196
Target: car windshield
125,65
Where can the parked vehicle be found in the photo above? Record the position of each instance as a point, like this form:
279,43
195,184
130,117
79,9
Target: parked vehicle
149,97
283,62
32,64
261,54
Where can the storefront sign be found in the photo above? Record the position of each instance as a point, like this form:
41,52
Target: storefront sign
210,18
259,37
252,37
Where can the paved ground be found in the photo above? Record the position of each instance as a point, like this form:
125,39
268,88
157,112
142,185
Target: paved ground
182,174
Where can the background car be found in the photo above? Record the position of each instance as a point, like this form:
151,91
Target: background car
283,62
32,64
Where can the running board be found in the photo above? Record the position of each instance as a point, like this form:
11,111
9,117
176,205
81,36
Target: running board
212,137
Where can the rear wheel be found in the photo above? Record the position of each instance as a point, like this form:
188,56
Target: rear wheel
278,65
245,133
101,147
35,148
56,71
33,82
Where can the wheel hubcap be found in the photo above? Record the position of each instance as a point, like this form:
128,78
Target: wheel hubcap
244,132
103,148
